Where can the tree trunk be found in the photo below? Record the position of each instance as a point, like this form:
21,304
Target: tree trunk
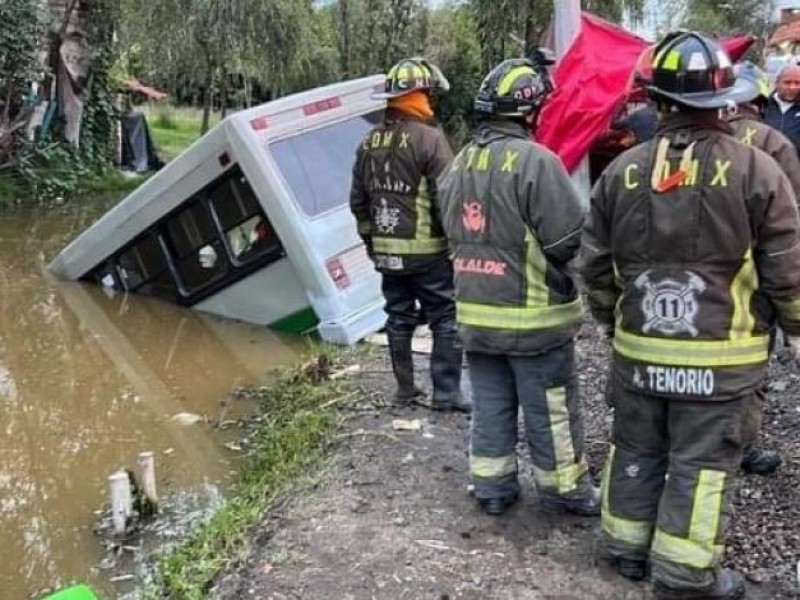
207,96
223,93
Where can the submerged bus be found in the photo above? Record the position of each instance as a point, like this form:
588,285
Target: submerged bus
252,221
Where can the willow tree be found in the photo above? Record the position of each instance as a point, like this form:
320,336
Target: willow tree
209,40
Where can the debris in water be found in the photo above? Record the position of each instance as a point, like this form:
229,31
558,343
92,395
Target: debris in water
186,418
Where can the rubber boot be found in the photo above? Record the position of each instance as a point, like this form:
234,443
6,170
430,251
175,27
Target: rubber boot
403,367
728,585
584,501
446,361
757,461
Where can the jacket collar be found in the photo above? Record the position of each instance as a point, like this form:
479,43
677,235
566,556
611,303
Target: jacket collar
699,123
745,111
495,129
397,116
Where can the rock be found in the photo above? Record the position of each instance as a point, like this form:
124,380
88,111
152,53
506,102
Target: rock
477,580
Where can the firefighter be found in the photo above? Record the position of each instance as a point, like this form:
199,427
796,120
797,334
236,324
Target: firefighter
514,222
746,120
394,200
748,128
693,242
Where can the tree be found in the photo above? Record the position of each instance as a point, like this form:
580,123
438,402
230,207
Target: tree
21,41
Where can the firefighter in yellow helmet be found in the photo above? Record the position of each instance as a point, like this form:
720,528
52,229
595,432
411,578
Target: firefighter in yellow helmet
692,244
395,202
514,222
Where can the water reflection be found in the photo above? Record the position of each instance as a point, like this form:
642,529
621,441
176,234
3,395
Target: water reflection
86,382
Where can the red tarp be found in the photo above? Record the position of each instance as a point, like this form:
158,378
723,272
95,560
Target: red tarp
591,78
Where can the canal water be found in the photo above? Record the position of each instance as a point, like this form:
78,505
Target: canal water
87,381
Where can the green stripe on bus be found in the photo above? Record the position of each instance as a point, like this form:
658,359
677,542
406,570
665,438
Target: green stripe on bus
297,322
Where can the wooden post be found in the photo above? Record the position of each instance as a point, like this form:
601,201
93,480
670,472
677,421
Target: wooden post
119,488
147,479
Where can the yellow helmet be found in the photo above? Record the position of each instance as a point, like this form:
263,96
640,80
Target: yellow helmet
410,75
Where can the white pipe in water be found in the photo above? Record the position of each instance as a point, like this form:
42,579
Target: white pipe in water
147,477
119,488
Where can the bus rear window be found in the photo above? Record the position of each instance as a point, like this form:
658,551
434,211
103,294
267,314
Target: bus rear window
317,164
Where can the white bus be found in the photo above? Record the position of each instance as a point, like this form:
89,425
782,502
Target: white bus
252,221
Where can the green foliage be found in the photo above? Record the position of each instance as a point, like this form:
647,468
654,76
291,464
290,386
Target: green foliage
295,424
100,117
21,38
459,56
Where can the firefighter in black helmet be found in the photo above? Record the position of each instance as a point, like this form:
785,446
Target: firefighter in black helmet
514,221
692,244
395,202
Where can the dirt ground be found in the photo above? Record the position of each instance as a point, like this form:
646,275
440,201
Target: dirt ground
391,516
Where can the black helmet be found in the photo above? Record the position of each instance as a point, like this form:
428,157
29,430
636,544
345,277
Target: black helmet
514,88
693,70
410,75
751,72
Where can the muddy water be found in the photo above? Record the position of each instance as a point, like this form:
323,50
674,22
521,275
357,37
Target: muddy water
88,381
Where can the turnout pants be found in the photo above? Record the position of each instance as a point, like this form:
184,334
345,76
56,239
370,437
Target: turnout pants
433,289
666,482
544,387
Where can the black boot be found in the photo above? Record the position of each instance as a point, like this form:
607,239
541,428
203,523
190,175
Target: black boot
728,585
757,461
446,361
403,367
631,568
499,505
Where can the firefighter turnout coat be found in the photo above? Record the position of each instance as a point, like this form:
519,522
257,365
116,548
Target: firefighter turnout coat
691,250
393,196
752,132
513,221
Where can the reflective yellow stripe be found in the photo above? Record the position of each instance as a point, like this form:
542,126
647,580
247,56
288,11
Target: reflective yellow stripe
789,309
401,246
518,317
633,533
509,78
567,472
423,210
699,549
742,288
537,292
485,466
564,479
669,60
692,353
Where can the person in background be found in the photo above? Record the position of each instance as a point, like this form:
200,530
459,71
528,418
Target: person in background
783,107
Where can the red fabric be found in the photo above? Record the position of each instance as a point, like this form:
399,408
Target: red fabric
591,79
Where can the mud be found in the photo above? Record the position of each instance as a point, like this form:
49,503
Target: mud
391,516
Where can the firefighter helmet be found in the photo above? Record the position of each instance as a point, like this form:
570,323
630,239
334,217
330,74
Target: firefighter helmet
690,69
751,72
410,75
514,88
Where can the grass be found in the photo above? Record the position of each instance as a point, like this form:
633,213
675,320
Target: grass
297,421
174,128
